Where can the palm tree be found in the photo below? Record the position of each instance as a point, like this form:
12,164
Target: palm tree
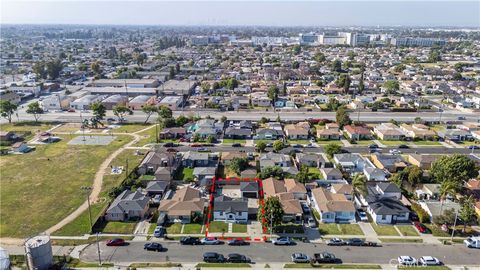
446,188
359,184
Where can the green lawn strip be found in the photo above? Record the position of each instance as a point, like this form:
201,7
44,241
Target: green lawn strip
391,142
401,240
192,228
148,265
185,174
350,229
383,230
432,267
333,266
119,227
130,128
436,231
224,265
429,143
152,227
174,228
147,136
407,230
239,228
57,173
218,227
364,142
81,225
299,141
329,228
289,228
232,141
90,240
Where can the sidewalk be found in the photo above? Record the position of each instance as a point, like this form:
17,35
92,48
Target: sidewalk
369,232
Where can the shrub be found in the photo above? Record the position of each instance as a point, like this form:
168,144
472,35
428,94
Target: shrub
421,213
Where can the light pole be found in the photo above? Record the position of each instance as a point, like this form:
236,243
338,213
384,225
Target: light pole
454,225
87,193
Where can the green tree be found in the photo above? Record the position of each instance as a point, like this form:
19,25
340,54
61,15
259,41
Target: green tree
95,67
196,137
172,73
278,145
332,149
272,93
54,67
121,111
447,188
238,164
391,87
342,117
273,171
210,139
166,122
302,175
336,66
149,110
35,110
399,68
99,110
39,68
223,118
7,109
264,120
319,57
359,184
467,211
205,87
456,168
296,49
434,56
181,120
273,212
261,146
295,65
165,112
232,83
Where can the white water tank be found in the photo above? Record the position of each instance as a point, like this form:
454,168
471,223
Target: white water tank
39,252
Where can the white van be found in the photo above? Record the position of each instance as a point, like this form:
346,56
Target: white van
472,242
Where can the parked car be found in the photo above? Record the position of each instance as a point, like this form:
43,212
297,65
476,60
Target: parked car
355,242
325,257
188,240
210,241
237,242
213,257
429,260
203,149
237,258
171,150
420,227
407,260
311,222
195,145
362,215
373,146
300,258
336,242
395,152
282,241
170,144
159,231
153,247
473,147
71,110
403,146
236,145
116,242
305,208
472,242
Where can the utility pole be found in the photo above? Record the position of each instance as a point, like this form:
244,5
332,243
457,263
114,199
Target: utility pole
98,251
126,167
87,192
454,225
271,224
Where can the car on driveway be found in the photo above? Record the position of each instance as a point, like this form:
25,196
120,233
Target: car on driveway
300,258
407,260
305,208
213,257
282,241
311,222
159,231
153,246
355,242
373,146
210,241
116,242
336,242
362,215
420,227
188,240
237,258
238,242
325,257
429,260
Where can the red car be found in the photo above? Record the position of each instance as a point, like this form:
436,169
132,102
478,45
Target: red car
196,145
420,227
116,242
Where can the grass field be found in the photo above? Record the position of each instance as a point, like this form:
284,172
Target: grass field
314,173
23,127
298,141
329,228
155,265
239,228
119,227
401,240
350,229
42,187
232,141
148,136
90,240
130,128
192,228
185,174
81,225
364,142
384,229
218,227
429,143
407,230
174,228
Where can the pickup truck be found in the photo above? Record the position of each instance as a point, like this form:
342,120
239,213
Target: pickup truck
325,257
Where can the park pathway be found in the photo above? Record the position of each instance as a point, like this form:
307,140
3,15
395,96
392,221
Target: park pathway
97,181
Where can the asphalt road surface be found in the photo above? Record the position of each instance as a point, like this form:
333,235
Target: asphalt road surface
266,252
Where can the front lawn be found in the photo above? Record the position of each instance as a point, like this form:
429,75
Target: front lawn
118,227
239,228
364,142
299,141
192,228
392,143
232,141
401,240
329,228
45,184
289,228
130,128
350,229
174,228
429,143
407,230
218,227
185,174
81,225
388,230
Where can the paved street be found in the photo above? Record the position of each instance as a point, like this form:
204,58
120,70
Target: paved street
266,252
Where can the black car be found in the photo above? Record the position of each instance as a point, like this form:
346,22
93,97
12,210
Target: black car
170,144
355,242
473,147
236,145
188,240
213,257
153,247
237,258
373,146
325,257
403,146
238,242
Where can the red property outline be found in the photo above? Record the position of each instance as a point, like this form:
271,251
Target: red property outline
260,200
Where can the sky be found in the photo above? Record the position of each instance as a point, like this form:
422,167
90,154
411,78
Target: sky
269,13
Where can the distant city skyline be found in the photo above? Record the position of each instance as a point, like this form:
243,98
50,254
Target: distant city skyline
248,13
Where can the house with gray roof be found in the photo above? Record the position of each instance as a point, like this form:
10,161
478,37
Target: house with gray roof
230,210
249,189
129,205
156,188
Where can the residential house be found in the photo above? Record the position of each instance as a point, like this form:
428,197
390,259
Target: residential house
424,161
455,135
249,189
344,189
138,102
391,163
332,207
204,174
85,102
194,159
155,188
172,133
309,160
357,132
389,132
114,100
227,157
291,205
418,131
186,205
153,160
329,133
238,133
330,174
437,208
271,159
268,134
297,131
230,210
428,192
129,205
